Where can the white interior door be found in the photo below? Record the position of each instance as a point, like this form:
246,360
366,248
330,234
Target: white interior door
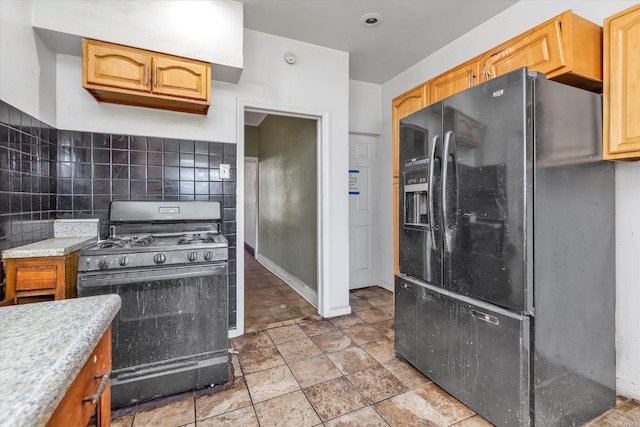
251,202
363,203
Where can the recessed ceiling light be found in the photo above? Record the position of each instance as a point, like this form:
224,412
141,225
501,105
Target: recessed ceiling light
371,19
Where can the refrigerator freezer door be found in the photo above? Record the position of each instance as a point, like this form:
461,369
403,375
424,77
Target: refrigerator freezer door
405,318
477,352
487,135
420,252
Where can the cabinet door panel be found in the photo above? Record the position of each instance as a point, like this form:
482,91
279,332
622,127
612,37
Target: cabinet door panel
73,410
116,66
622,87
541,50
454,81
175,77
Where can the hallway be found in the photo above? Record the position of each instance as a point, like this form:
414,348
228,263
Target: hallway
268,301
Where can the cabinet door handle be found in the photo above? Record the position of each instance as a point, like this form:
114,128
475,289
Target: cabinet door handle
487,74
155,75
146,74
104,381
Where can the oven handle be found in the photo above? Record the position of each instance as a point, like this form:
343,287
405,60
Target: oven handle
118,277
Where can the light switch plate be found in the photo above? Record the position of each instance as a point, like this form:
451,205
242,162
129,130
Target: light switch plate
225,171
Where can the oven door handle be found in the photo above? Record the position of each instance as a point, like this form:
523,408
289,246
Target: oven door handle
117,277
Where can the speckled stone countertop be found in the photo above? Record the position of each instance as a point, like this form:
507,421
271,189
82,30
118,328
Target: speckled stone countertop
43,347
55,246
76,227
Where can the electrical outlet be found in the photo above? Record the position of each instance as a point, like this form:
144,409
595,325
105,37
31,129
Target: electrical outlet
225,171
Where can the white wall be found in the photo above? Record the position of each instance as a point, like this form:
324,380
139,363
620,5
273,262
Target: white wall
364,107
27,65
513,21
628,278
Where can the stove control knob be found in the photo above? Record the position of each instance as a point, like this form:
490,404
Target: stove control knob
124,261
159,258
192,256
103,264
208,256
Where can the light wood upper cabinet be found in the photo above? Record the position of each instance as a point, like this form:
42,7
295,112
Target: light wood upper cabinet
126,75
180,77
117,66
621,108
567,48
454,81
401,106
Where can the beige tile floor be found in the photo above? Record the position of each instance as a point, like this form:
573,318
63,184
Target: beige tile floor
296,369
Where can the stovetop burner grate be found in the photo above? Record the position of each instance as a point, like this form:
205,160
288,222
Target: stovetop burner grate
190,239
127,242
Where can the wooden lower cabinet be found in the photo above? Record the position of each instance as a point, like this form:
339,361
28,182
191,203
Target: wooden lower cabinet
90,394
621,108
41,278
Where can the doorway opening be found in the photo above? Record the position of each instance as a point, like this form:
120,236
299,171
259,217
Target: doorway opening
281,211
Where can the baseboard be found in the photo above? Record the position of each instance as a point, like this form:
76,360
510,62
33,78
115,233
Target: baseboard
338,311
234,332
249,249
298,285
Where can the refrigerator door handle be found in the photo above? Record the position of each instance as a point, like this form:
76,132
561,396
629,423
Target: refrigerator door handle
432,157
449,150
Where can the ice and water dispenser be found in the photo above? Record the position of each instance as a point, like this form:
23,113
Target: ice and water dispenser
414,163
416,192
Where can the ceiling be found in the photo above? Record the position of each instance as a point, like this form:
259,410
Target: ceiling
407,32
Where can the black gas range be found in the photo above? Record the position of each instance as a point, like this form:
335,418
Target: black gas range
168,262
154,250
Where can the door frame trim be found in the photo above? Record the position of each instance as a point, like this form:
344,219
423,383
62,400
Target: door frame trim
255,225
322,182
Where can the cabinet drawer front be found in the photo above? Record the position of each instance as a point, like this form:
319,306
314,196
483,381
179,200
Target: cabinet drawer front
116,66
33,277
182,78
541,50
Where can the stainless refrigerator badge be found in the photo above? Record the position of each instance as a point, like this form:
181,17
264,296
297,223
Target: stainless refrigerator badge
505,214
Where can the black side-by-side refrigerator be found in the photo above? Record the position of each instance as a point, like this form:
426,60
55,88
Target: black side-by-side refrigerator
506,287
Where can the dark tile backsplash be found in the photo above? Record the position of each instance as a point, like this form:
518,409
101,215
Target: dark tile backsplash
47,173
27,178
